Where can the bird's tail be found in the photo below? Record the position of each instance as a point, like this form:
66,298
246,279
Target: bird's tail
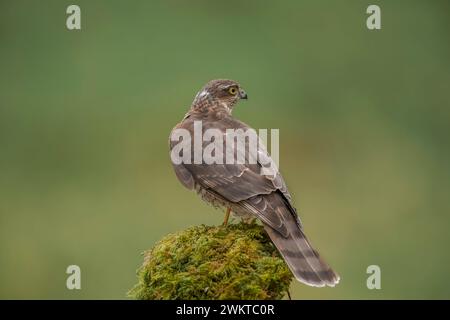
304,262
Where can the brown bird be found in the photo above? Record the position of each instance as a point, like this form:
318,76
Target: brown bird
241,187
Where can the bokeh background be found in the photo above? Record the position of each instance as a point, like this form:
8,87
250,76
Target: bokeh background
85,174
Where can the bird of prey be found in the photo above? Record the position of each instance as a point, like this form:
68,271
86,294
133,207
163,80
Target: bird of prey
242,189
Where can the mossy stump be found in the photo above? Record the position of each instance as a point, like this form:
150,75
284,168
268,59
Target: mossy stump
237,261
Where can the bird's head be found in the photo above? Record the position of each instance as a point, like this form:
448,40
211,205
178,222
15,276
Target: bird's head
220,93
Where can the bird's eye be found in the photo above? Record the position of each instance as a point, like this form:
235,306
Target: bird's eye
232,90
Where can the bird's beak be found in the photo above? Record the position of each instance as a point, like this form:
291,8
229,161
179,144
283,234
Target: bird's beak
243,94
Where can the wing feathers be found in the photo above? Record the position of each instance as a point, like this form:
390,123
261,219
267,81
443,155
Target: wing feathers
266,197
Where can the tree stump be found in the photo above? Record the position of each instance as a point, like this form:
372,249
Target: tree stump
237,261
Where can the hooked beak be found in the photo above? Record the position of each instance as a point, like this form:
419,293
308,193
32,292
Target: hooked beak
243,94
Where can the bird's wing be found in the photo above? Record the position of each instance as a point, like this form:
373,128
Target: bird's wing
242,184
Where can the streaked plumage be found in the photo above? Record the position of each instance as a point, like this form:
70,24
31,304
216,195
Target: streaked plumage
245,190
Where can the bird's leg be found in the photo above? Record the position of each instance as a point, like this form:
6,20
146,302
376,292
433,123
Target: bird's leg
227,216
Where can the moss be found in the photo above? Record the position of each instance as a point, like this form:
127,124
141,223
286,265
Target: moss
234,262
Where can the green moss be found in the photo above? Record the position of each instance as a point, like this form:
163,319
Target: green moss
234,262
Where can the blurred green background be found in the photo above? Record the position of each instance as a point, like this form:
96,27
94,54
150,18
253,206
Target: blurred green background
85,173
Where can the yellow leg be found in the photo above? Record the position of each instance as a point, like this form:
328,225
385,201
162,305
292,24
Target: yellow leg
227,216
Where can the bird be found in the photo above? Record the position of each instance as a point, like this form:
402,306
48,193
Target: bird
240,188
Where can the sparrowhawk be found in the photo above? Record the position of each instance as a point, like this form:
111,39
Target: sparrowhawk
242,189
